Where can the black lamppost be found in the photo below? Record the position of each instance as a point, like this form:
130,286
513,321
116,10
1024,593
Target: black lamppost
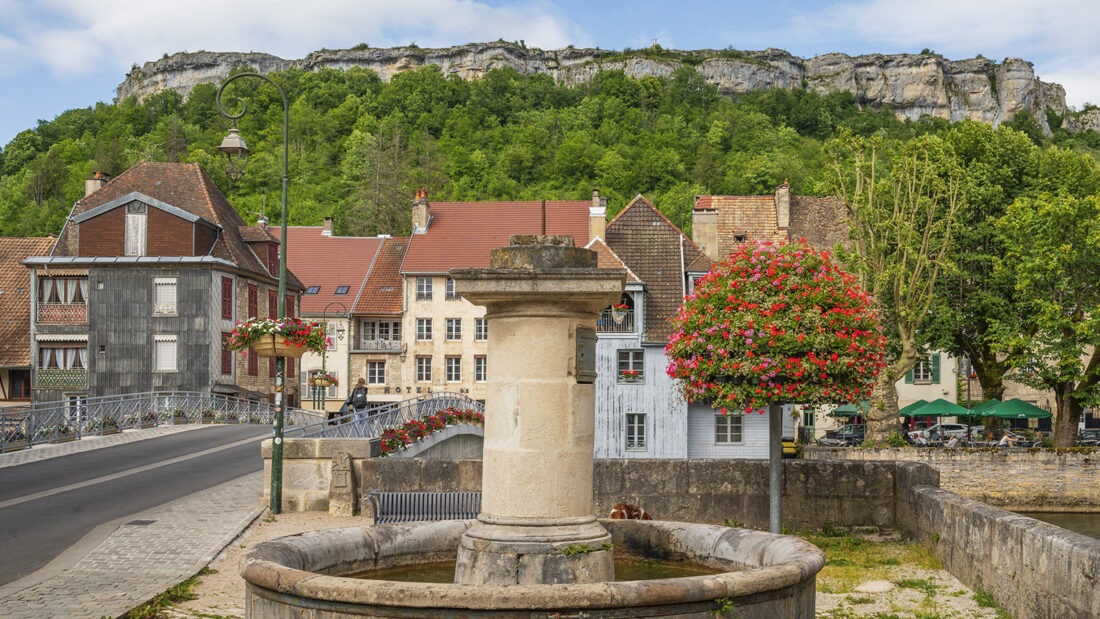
234,148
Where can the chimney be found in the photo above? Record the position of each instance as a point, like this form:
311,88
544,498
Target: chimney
704,228
420,215
326,230
597,217
95,183
783,205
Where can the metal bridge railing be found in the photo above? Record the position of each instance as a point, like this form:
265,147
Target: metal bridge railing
371,423
55,422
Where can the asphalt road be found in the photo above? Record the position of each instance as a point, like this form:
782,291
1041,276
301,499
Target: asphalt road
47,506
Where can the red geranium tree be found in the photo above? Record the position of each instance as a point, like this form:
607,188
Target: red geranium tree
776,323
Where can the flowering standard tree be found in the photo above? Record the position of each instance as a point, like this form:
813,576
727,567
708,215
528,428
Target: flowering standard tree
776,323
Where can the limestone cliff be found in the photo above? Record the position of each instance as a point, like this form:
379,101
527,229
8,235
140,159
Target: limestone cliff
911,85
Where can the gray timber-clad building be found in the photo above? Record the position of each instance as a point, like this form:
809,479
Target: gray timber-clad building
143,286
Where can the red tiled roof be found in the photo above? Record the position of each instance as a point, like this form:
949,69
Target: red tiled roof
15,298
328,262
659,253
382,293
187,187
460,234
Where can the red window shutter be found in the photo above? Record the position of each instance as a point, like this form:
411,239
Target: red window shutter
253,364
271,367
290,306
253,301
227,355
227,298
272,304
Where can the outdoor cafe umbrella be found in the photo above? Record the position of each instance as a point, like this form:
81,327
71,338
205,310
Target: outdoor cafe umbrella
982,409
908,408
939,408
851,410
1017,409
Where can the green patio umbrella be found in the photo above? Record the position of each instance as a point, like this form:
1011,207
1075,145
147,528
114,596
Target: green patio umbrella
908,408
851,410
981,409
1017,409
939,408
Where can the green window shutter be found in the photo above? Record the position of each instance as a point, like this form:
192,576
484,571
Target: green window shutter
935,368
909,377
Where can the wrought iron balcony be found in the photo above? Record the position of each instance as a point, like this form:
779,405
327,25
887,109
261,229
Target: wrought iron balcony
616,321
62,313
55,378
381,345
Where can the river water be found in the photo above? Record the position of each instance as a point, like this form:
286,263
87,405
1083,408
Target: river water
1085,524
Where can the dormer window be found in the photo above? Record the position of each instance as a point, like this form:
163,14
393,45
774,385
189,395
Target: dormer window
135,229
313,290
342,289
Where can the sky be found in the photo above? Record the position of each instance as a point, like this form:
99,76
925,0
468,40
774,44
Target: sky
57,55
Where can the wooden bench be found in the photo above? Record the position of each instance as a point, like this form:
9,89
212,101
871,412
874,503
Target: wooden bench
420,506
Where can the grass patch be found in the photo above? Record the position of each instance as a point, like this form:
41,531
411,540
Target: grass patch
924,585
155,608
851,559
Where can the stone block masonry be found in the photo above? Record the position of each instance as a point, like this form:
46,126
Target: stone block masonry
1014,479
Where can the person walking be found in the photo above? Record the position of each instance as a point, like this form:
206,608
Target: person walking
357,400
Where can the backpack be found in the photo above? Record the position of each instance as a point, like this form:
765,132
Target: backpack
359,398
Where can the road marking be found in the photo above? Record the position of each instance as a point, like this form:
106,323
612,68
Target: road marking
119,475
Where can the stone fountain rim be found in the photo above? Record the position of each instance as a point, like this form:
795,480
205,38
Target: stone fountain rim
792,561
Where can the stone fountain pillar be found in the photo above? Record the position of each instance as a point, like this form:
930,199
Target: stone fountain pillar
537,524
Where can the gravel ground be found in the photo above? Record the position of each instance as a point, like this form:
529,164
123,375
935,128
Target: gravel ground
939,596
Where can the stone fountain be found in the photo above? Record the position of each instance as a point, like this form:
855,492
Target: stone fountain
536,549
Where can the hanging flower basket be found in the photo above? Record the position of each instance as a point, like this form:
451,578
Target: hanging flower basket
618,312
289,337
275,346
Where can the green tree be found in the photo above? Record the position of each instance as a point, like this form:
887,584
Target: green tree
901,205
1053,249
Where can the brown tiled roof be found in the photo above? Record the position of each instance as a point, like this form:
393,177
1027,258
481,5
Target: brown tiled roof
15,298
607,259
329,262
187,187
460,234
658,252
381,293
752,217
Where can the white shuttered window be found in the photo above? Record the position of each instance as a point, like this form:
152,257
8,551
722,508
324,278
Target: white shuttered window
164,353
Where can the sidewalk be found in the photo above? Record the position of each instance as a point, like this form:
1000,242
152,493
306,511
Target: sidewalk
143,555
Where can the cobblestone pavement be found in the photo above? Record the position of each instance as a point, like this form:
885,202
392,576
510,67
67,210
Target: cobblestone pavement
147,554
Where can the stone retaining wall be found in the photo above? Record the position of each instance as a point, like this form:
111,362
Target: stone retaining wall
1015,479
845,494
1033,569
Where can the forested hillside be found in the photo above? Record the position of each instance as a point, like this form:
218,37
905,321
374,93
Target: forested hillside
360,147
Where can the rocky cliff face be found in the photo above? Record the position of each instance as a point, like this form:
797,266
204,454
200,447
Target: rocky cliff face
911,85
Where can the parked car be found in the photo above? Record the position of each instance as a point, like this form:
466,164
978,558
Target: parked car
1089,438
942,430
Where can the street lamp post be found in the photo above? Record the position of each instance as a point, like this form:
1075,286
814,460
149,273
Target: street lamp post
234,148
324,353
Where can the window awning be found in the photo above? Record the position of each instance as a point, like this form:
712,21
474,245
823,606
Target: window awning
61,337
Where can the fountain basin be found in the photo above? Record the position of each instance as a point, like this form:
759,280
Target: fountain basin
768,576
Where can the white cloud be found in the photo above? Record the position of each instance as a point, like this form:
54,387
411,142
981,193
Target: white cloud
70,36
994,28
